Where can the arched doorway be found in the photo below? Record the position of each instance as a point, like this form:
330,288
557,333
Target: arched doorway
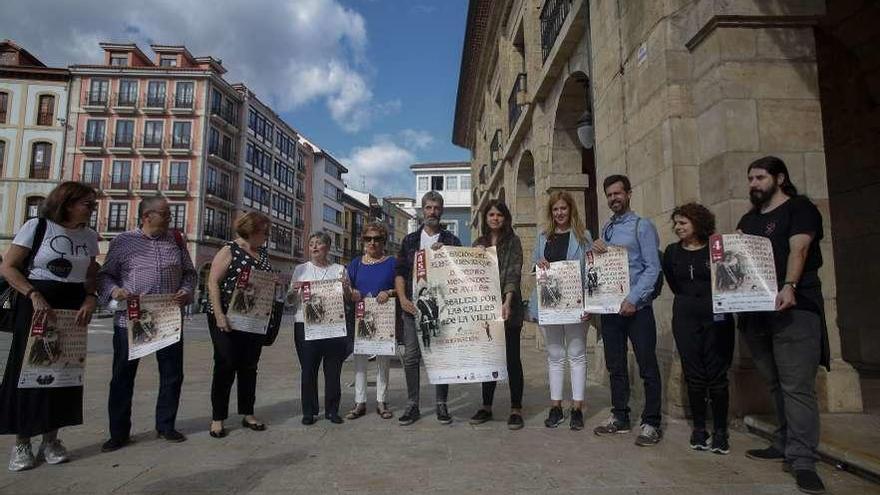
524,199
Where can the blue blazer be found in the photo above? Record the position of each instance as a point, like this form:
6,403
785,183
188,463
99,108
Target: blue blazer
576,251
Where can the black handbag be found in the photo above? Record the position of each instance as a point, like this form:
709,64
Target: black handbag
274,323
8,294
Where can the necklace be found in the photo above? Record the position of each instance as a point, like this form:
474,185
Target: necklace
368,260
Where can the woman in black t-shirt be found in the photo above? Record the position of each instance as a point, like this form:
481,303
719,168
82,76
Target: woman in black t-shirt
705,341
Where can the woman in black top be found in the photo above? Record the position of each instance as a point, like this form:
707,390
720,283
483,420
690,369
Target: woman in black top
235,352
704,340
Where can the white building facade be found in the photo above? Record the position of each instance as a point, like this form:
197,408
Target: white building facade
328,213
453,181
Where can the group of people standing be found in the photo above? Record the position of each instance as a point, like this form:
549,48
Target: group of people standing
787,345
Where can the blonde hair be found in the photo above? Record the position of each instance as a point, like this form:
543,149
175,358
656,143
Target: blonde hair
250,222
574,218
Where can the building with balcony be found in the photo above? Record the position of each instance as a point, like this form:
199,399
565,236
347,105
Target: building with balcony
170,125
408,205
273,179
357,215
328,213
453,181
681,97
33,115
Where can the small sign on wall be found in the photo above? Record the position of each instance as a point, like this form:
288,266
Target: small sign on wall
642,54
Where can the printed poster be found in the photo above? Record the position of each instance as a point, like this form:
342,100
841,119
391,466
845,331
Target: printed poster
323,309
743,273
55,353
560,293
607,280
374,327
154,323
251,303
457,293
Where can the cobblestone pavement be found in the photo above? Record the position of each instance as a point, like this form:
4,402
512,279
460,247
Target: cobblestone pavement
371,455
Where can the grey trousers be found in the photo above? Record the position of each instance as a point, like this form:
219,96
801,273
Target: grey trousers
786,349
412,358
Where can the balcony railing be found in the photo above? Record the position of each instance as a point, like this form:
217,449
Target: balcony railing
494,152
154,142
93,180
553,15
177,184
180,144
123,140
96,98
226,113
182,102
219,190
39,172
116,226
122,184
223,152
149,185
45,118
218,231
154,101
126,100
93,140
516,101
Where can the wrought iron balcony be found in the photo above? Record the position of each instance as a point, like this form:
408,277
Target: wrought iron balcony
123,183
149,184
219,190
214,230
96,99
126,100
177,184
123,140
553,15
184,102
93,140
153,142
494,152
155,101
516,101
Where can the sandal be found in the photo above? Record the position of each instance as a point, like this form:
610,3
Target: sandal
358,411
383,411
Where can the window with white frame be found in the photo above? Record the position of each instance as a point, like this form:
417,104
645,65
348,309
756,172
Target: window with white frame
423,183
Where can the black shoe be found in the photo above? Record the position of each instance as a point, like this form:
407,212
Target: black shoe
481,417
218,434
115,444
515,422
612,426
721,442
649,435
554,418
577,420
410,416
308,419
172,436
808,481
771,453
443,414
700,440
334,418
253,426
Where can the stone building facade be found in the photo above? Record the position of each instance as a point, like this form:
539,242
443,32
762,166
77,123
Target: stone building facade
681,96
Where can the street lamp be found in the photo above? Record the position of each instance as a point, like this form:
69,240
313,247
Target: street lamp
585,131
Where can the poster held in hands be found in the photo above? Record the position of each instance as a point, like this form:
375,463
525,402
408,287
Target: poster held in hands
251,304
154,323
323,309
55,353
374,327
560,293
743,273
457,294
607,280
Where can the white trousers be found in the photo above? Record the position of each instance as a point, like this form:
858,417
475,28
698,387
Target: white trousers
360,378
571,341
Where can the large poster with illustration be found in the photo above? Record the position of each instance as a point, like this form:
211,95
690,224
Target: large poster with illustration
560,293
154,322
374,327
323,309
457,294
251,302
55,353
607,280
743,273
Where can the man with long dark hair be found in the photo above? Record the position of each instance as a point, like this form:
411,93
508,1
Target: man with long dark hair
788,345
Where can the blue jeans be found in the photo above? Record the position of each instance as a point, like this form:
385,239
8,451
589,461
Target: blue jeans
641,330
170,361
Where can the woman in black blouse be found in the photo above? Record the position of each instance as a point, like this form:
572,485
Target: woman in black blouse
235,352
704,340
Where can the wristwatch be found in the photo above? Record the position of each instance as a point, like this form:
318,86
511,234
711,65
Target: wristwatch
792,284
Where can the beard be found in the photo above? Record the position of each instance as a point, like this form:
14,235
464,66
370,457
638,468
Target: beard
432,222
760,198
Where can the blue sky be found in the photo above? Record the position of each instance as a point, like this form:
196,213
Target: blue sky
372,81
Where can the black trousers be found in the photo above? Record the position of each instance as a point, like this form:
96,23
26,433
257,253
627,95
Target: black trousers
641,330
170,360
235,354
514,370
311,353
706,350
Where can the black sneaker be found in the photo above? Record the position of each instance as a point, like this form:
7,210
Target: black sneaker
410,416
700,440
576,422
555,418
308,419
443,414
649,435
481,417
515,422
115,444
771,453
721,442
172,436
612,426
808,481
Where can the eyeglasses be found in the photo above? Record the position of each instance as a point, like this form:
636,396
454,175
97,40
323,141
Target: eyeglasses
374,238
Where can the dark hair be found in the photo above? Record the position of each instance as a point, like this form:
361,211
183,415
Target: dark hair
702,219
775,166
613,179
506,229
63,197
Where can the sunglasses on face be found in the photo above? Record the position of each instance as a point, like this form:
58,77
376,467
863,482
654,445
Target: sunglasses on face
372,238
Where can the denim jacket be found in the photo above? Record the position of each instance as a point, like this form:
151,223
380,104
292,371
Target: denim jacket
576,251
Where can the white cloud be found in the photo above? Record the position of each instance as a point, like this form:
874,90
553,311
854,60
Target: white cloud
382,168
291,52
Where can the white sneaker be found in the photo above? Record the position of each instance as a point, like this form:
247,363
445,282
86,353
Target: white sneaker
21,458
54,452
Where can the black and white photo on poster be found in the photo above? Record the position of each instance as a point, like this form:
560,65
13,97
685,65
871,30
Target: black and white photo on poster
323,309
374,327
55,353
251,304
743,273
560,293
154,322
